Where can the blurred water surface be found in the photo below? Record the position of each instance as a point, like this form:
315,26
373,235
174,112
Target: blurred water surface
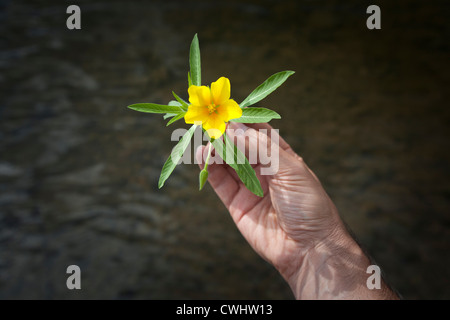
368,111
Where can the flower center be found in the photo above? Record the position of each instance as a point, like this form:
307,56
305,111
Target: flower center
212,108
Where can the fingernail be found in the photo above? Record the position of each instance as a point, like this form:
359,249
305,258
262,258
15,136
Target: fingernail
238,128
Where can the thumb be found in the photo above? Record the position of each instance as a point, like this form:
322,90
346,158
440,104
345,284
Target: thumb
199,156
221,177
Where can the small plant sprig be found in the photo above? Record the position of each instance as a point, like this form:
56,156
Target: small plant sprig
211,108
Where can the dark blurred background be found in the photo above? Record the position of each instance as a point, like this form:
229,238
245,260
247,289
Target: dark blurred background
368,111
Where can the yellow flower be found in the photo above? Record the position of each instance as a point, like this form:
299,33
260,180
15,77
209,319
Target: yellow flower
212,107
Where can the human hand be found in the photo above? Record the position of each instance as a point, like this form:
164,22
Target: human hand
295,226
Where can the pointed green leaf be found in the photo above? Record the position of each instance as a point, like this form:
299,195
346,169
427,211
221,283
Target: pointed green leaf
176,118
155,108
183,103
177,104
169,115
174,103
266,88
194,62
256,115
202,178
175,156
237,160
189,79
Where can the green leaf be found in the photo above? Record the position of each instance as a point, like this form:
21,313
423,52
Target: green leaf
155,108
175,156
174,103
189,79
169,115
266,88
183,103
202,177
237,160
175,118
256,115
194,62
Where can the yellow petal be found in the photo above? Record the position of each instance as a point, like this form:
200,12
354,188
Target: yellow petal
220,90
199,95
229,110
215,126
196,113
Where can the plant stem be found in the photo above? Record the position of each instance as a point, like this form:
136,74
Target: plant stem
207,158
